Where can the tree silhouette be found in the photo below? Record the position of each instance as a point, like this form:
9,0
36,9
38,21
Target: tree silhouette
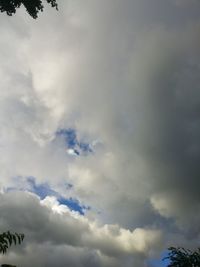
6,240
32,6
181,257
8,265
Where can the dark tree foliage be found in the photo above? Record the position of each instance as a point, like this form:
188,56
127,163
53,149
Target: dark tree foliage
8,265
181,257
32,6
8,238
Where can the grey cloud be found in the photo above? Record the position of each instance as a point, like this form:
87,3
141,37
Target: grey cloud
48,225
125,73
41,255
168,138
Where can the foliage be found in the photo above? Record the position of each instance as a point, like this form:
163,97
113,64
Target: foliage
32,6
181,257
8,238
7,265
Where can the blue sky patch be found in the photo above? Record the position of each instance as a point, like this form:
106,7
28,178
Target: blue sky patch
159,262
73,204
43,190
74,145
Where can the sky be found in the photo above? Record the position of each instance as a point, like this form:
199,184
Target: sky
99,132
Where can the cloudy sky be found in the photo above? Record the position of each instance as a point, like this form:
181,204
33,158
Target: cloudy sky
99,132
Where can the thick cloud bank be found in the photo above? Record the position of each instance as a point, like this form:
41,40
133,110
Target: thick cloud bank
123,78
54,227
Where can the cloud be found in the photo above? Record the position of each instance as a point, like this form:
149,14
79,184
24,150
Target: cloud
48,224
126,74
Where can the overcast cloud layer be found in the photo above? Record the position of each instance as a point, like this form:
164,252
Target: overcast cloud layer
124,75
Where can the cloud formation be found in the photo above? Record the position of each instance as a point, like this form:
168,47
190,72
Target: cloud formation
50,225
125,77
